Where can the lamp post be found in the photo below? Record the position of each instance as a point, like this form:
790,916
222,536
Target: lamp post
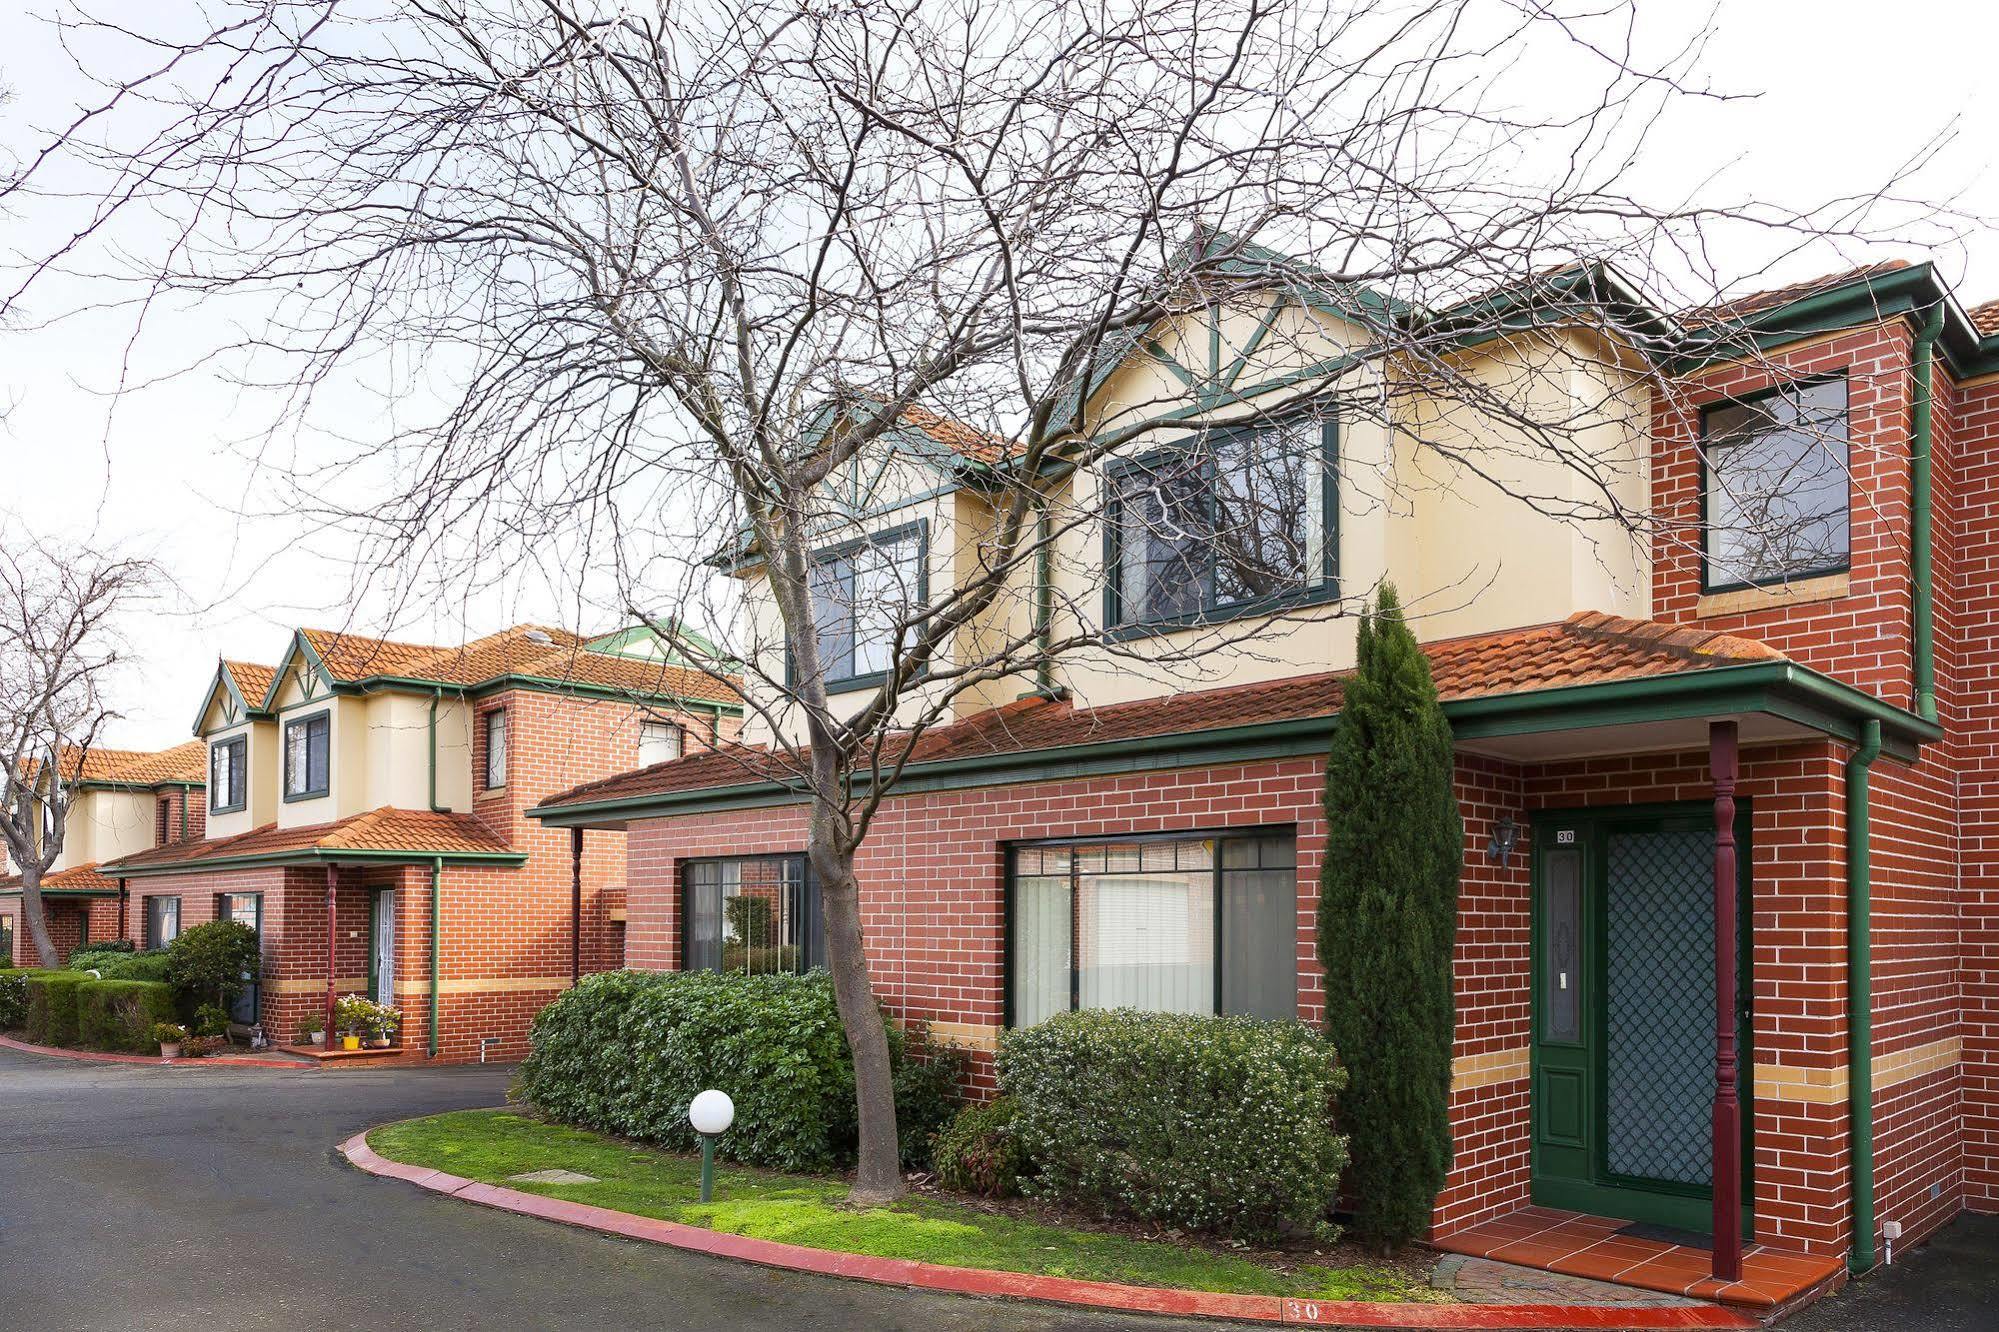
710,1113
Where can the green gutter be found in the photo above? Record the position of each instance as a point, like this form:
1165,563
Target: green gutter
1781,688
436,938
1921,570
320,857
1859,997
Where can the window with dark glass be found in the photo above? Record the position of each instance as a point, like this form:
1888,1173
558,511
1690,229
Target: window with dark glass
162,816
754,915
496,748
861,592
1168,924
1775,485
307,751
1235,518
162,921
226,774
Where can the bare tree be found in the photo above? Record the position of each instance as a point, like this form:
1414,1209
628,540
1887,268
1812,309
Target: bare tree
58,644
710,284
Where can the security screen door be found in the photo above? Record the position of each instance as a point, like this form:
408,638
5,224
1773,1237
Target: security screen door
1623,1057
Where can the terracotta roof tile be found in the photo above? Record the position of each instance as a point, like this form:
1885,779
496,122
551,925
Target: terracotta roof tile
1587,648
564,658
184,763
1984,318
252,681
75,879
1757,301
417,832
978,445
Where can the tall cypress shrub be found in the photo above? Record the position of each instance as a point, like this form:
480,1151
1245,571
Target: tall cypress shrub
1388,909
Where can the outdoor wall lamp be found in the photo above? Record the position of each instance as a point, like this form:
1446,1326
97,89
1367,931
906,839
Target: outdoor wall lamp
1505,836
710,1114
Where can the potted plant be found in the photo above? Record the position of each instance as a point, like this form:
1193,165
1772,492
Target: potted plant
383,1025
312,1031
170,1035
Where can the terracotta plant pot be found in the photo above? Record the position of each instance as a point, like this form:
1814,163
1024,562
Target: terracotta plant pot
379,1043
169,1051
350,1042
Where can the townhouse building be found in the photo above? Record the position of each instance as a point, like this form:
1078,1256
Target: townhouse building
1763,712
123,801
365,814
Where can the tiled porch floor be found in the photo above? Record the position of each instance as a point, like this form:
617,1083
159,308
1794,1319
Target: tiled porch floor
1588,1246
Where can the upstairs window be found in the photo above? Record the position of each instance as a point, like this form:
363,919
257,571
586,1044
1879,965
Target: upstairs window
860,593
226,775
307,753
163,809
1774,486
659,742
1228,522
496,749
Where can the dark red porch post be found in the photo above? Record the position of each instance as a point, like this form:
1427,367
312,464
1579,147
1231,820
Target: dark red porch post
1727,1106
332,949
575,906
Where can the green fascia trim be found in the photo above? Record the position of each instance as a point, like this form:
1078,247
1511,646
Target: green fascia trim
320,857
539,684
139,786
64,892
1780,688
298,647
251,711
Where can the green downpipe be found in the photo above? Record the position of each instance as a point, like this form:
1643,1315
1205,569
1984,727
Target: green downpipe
1921,559
436,937
435,808
1859,996
1044,603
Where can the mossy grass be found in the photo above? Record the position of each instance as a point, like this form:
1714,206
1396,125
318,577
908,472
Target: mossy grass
493,1145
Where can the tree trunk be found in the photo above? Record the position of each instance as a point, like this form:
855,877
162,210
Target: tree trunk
878,1178
34,916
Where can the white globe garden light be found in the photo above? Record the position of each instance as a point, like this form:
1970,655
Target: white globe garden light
710,1114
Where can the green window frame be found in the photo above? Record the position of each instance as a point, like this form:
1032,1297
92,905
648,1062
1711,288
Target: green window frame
1192,466
1819,462
492,725
308,770
837,623
227,778
162,914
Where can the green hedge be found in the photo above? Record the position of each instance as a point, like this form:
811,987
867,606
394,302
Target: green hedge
14,996
99,955
626,1051
120,1014
980,1153
52,996
1213,1123
147,966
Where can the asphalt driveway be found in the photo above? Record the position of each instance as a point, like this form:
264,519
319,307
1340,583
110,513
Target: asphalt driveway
134,1199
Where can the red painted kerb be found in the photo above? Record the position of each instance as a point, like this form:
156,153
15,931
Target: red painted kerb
106,1057
1052,1290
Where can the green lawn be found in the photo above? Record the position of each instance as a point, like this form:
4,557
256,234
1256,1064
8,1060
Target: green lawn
491,1145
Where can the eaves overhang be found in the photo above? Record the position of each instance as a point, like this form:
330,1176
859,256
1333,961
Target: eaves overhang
1799,700
313,856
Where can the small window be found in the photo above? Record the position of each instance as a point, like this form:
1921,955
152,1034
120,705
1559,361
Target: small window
753,915
7,939
659,742
226,775
1168,924
860,594
1227,522
163,809
496,749
307,754
1775,486
162,921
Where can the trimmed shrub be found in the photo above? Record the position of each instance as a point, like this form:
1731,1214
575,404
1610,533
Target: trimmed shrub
980,1153
1222,1124
926,1091
52,999
213,962
121,1014
626,1051
14,996
99,956
147,966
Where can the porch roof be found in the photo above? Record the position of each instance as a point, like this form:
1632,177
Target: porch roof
1591,684
385,835
76,881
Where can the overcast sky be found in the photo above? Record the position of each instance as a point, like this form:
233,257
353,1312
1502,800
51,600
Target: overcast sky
1846,89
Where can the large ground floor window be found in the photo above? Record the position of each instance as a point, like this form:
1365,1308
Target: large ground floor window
751,914
1178,924
162,921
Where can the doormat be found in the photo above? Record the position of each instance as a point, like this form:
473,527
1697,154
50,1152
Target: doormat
1658,1234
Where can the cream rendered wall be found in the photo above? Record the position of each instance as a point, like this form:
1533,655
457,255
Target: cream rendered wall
346,751
261,778
394,768
104,825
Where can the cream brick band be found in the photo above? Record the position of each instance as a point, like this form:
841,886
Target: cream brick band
1827,1086
965,1035
346,985
1742,600
1485,1070
482,985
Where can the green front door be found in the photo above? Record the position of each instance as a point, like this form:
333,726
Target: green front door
1623,1011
